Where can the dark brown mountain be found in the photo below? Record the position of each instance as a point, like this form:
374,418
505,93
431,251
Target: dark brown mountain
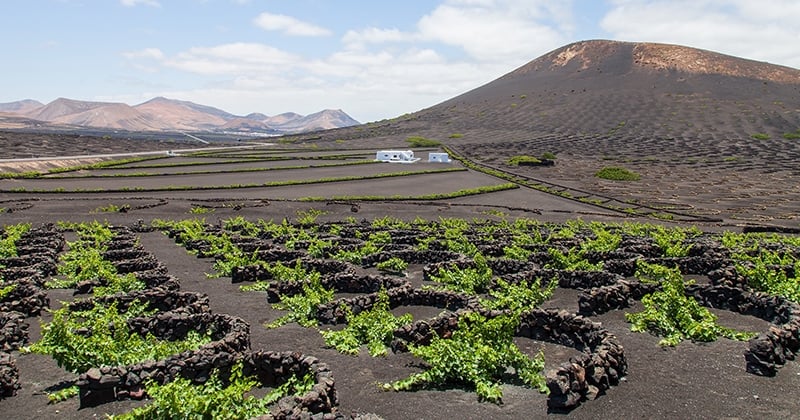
594,87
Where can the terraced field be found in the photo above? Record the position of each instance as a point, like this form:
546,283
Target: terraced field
229,243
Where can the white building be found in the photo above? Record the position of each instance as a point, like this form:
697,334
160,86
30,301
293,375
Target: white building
396,156
438,157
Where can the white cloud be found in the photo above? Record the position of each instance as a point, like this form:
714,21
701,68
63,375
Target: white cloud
488,30
289,25
132,3
766,30
147,53
498,29
360,39
231,59
378,72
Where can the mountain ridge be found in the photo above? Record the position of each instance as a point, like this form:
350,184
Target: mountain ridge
164,114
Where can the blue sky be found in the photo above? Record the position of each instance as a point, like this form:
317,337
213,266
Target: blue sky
373,59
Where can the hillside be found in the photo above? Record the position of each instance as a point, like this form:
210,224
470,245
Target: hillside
707,128
594,87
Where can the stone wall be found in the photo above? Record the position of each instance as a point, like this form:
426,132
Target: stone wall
230,335
586,376
333,313
770,350
13,331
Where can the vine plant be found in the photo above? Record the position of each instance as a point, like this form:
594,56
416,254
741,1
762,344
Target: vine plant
373,328
673,315
216,398
478,355
79,340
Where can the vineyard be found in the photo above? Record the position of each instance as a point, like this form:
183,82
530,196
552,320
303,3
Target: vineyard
498,310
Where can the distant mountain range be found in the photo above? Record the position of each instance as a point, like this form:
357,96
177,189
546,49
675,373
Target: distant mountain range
162,114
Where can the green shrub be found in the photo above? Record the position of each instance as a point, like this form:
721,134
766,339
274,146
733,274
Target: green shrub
456,136
524,160
548,155
792,136
616,173
760,136
417,141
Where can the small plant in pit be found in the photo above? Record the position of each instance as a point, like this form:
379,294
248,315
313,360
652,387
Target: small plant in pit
673,240
63,394
112,208
516,252
380,237
318,248
12,234
423,243
5,290
394,265
214,399
302,307
478,354
309,217
766,271
671,314
241,226
616,173
373,327
119,284
83,261
79,340
279,272
201,210
572,260
390,222
519,297
471,280
355,256
232,257
495,212
604,240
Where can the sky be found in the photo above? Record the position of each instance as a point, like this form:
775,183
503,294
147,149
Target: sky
373,59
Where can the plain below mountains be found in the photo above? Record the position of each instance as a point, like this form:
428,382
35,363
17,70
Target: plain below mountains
162,114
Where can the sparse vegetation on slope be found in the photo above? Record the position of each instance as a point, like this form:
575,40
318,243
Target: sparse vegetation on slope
418,141
616,173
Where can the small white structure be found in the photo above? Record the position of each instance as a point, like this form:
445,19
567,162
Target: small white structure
396,156
438,157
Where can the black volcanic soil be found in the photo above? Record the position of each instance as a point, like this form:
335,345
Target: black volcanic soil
691,380
689,136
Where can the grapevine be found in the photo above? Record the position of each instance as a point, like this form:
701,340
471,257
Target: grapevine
373,327
478,354
673,315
